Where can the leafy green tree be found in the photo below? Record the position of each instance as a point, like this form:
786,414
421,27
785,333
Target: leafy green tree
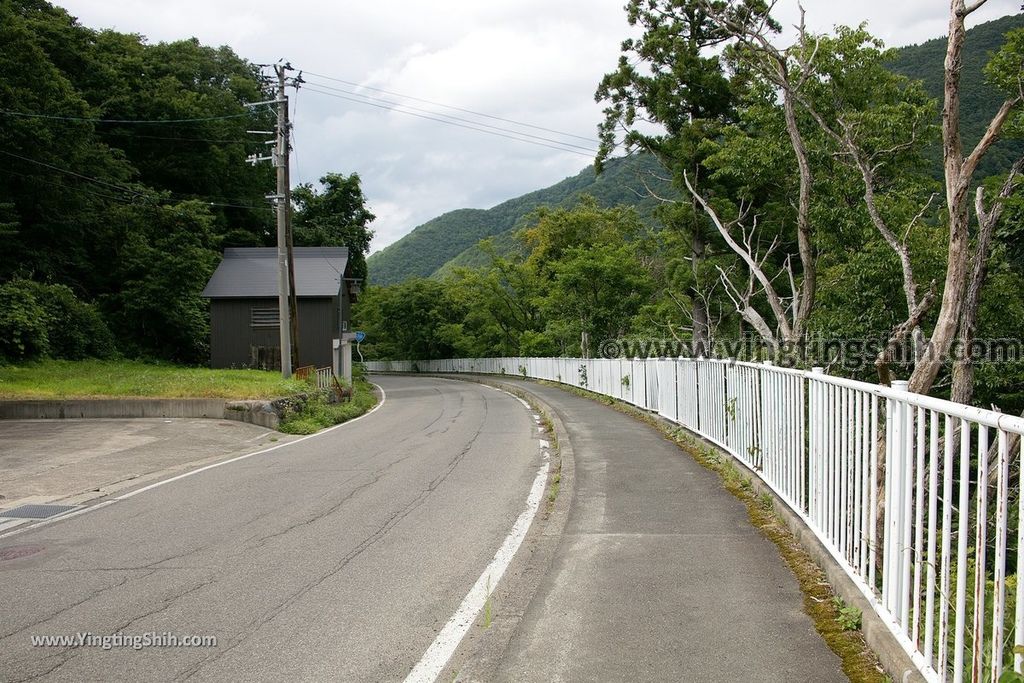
334,216
417,319
74,329
594,294
671,76
156,309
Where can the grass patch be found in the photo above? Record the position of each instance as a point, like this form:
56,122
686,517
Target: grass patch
833,620
316,413
552,438
59,379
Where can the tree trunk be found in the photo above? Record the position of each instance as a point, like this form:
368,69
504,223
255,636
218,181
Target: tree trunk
803,220
963,368
701,319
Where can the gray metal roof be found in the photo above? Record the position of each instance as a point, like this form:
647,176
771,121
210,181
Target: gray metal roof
252,272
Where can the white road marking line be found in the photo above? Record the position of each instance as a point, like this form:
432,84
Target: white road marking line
447,641
383,398
544,444
56,518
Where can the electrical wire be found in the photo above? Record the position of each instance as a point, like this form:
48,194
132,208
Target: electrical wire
167,137
11,112
451,123
121,188
36,179
396,105
448,106
128,190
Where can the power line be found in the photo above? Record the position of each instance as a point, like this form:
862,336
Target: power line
448,106
451,123
77,175
35,179
128,134
128,190
371,99
11,112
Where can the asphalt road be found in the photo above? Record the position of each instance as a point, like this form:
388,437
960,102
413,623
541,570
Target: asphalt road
334,558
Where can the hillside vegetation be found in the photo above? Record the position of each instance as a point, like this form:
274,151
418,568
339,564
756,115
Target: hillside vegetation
454,236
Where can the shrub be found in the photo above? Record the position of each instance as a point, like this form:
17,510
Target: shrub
317,413
23,323
75,329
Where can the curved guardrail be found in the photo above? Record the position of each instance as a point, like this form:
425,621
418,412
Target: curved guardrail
909,494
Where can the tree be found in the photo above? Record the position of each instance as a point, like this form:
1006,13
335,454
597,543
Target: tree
686,92
334,216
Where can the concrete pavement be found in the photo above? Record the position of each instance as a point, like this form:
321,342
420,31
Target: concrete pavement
78,460
333,558
660,575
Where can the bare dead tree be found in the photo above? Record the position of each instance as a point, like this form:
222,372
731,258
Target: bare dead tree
773,64
988,218
959,174
784,329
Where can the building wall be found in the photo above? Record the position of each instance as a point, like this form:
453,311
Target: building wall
235,343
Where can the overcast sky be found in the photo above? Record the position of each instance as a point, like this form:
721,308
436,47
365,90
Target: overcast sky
529,61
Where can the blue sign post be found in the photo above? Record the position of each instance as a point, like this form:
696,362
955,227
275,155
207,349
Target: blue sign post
360,336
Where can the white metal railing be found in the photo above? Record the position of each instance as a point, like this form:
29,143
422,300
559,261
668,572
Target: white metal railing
888,481
324,377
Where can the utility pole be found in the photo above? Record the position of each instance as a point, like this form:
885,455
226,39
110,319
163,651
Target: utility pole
286,298
283,278
293,302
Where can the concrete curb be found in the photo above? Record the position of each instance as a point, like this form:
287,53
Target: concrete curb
259,413
481,651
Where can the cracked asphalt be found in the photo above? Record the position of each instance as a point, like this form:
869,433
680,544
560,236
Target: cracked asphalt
334,558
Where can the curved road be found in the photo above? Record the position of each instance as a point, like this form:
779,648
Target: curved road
336,557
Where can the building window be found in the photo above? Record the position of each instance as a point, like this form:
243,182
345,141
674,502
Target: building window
264,317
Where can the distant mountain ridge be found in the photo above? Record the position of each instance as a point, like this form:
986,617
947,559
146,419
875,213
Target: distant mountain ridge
435,247
452,237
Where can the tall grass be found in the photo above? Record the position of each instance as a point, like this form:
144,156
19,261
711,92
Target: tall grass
54,379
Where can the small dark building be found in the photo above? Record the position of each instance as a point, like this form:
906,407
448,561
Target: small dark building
244,321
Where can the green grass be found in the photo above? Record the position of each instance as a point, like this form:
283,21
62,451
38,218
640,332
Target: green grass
52,379
316,413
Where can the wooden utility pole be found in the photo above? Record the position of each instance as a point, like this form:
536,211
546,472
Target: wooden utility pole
293,302
284,264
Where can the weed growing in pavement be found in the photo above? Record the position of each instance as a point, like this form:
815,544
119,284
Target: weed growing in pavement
849,618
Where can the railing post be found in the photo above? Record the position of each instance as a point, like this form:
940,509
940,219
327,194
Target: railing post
896,562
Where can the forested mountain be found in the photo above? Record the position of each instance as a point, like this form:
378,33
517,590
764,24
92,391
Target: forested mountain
123,174
454,236
450,240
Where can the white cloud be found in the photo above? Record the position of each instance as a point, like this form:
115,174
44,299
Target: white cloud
530,60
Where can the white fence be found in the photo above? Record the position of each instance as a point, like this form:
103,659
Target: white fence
887,480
